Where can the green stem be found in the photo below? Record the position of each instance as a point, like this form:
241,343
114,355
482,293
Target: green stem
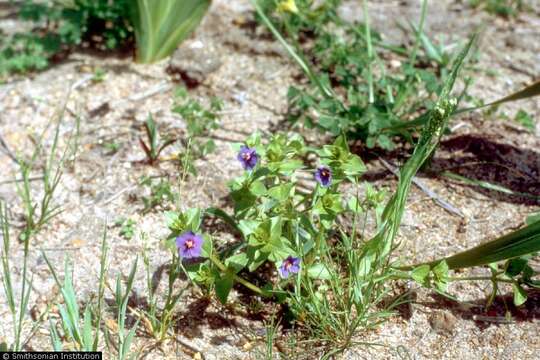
369,53
239,279
480,278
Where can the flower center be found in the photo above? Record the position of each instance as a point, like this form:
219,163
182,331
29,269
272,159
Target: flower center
287,264
246,156
324,173
189,244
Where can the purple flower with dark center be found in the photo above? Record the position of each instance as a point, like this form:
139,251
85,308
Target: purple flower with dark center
189,245
248,157
290,265
323,175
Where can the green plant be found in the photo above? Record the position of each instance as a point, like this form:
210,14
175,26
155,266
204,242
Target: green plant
60,25
331,275
121,298
160,193
83,332
525,119
200,121
127,228
161,318
153,148
505,8
160,25
351,89
18,311
36,216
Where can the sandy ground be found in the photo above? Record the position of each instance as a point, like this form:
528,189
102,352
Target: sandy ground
252,78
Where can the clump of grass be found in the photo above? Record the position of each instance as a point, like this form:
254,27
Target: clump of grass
17,307
37,212
85,332
160,318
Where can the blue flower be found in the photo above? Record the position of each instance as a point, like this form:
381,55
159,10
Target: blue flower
189,245
290,265
323,175
248,157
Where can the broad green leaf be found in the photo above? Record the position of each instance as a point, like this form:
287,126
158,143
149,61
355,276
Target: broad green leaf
440,272
224,285
206,249
515,266
237,262
319,271
515,244
161,25
532,218
281,192
257,188
354,166
248,227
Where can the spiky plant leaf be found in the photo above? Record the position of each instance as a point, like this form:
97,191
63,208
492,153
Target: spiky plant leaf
517,243
161,25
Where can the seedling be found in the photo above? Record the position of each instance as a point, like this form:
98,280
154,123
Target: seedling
153,148
160,193
127,228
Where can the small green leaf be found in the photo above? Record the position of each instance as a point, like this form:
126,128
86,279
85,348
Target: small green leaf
237,262
354,166
520,295
515,266
281,192
224,285
257,188
440,271
248,227
319,271
420,273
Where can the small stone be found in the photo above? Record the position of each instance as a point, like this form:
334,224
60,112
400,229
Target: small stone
443,322
194,61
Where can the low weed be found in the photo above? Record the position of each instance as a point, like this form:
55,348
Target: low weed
200,121
332,274
127,227
359,85
153,146
160,193
160,313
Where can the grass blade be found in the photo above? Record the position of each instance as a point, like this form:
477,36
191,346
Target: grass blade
488,185
525,93
306,68
521,242
427,144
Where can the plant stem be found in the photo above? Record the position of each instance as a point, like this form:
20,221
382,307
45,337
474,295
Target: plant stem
239,279
369,53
